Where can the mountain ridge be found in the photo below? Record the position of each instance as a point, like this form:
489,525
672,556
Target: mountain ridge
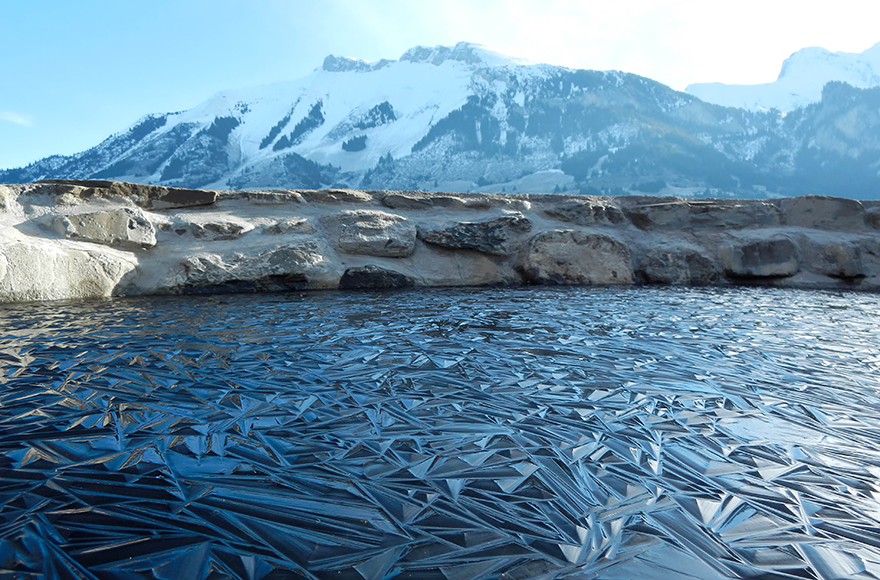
800,81
465,118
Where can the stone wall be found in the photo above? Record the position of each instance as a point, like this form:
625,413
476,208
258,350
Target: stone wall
73,239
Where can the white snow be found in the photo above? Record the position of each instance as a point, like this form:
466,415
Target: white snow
423,87
800,81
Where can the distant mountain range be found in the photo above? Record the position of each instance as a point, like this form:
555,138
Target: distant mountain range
465,119
801,80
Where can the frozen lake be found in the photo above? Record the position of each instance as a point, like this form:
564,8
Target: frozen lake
451,434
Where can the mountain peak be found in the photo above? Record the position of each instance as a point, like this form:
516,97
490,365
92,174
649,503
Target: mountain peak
800,81
465,118
466,52
347,64
806,57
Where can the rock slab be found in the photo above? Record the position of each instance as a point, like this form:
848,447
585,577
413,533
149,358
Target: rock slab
41,270
489,237
373,277
77,191
219,230
823,213
122,228
587,212
288,267
576,257
371,233
678,267
775,257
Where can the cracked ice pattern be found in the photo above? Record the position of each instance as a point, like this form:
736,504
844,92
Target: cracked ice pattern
451,434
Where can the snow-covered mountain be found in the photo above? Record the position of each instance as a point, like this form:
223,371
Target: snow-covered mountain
464,118
800,81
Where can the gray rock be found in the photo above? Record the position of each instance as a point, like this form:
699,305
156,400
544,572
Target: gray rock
420,200
338,196
293,225
587,212
145,196
373,278
731,214
685,241
275,197
833,259
760,258
574,257
872,218
171,197
293,267
219,230
42,270
473,201
371,233
407,201
823,213
869,256
678,266
7,198
649,213
123,228
489,237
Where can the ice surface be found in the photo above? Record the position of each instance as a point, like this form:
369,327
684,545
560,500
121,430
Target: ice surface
454,434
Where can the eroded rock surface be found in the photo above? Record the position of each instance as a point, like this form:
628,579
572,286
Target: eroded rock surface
293,267
761,258
587,212
41,270
275,197
671,214
219,230
291,225
373,277
833,259
338,196
872,218
79,191
421,200
489,237
407,202
732,214
680,267
823,213
371,233
7,198
74,239
574,257
123,228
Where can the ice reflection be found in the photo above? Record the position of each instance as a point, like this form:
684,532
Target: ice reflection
454,434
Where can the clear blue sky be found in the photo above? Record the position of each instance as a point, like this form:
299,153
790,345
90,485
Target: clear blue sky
73,72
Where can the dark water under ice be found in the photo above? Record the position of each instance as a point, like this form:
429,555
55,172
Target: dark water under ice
449,434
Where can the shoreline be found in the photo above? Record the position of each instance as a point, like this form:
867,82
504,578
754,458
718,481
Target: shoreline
74,239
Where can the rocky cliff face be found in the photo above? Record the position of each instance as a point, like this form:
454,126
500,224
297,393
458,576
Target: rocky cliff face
69,239
463,119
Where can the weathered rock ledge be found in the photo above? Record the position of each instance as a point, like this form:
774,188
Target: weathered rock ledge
80,239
